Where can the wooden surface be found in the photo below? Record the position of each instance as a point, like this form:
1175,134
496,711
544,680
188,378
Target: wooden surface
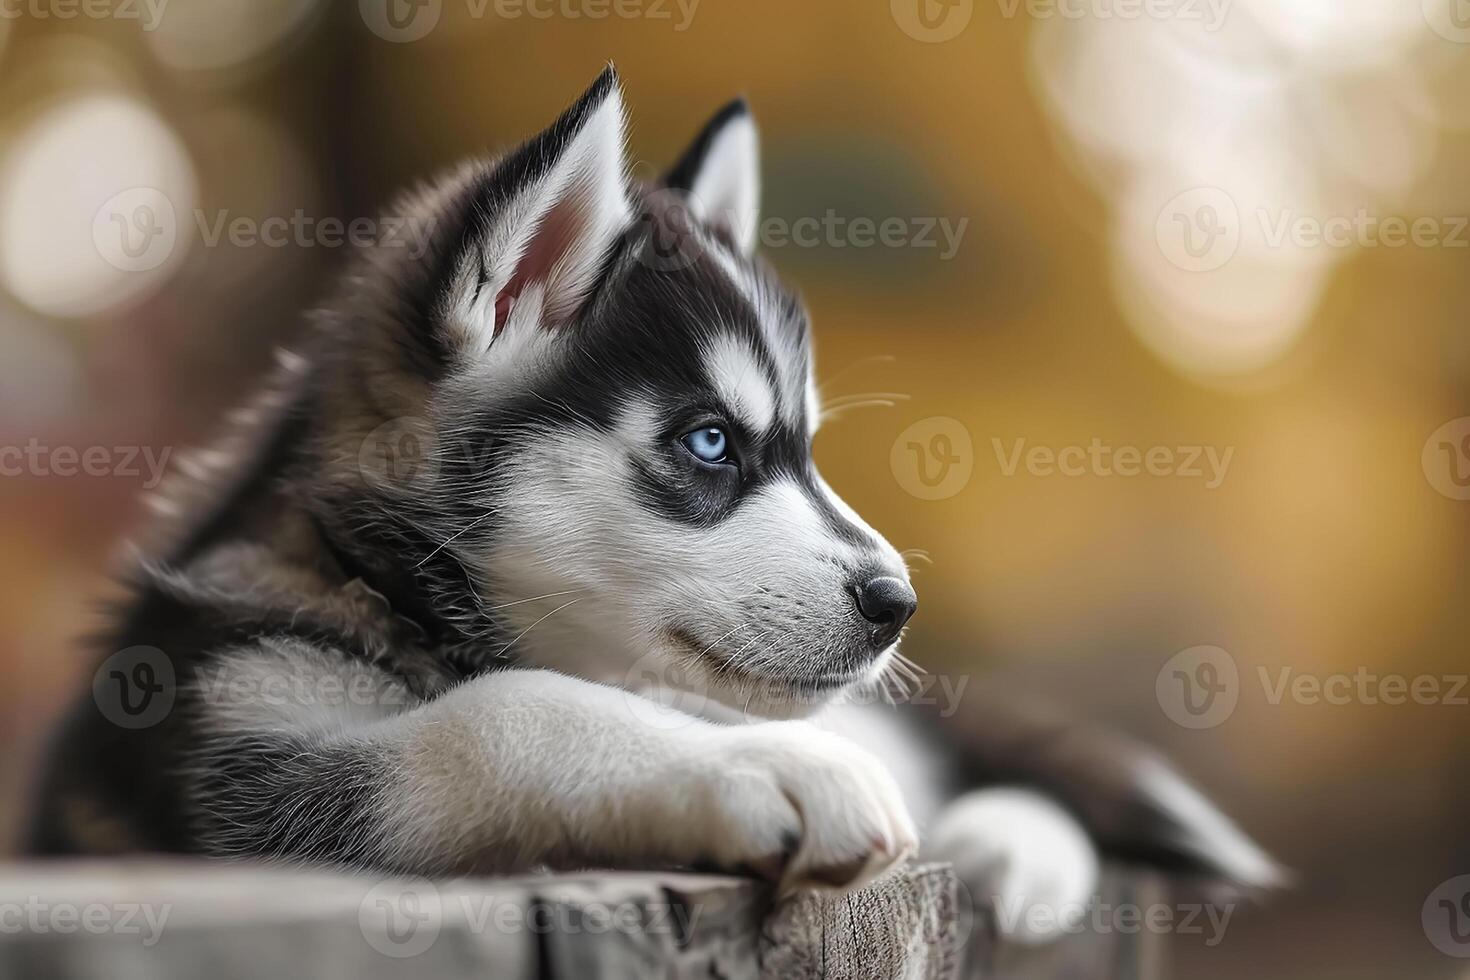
180,920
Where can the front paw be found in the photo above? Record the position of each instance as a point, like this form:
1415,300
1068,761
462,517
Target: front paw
1022,856
802,806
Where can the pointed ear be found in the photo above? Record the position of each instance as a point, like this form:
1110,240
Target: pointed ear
721,174
538,227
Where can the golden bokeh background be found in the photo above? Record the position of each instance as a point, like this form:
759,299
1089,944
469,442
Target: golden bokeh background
1235,226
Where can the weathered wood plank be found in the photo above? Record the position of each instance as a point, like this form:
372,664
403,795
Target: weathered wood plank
183,920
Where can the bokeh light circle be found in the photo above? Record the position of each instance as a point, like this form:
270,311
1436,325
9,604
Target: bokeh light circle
96,204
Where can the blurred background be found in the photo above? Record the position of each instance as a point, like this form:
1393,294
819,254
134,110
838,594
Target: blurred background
1144,319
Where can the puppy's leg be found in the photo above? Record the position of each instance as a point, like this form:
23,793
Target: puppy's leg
526,768
1015,851
1021,855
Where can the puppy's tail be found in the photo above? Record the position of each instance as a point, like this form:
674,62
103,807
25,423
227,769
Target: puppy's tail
1132,801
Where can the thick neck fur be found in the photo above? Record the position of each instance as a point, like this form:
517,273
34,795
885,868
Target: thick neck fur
276,523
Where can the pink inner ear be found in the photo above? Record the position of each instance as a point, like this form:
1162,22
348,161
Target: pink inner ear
503,303
556,233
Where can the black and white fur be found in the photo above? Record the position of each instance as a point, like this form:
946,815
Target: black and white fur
499,612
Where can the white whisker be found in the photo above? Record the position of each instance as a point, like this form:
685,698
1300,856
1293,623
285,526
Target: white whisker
535,598
843,372
501,651
457,534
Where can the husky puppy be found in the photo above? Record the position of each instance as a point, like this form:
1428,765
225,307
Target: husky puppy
482,581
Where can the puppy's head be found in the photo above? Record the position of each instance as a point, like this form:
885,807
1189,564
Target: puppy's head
617,403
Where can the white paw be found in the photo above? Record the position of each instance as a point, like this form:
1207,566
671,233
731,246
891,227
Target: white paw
1021,855
803,806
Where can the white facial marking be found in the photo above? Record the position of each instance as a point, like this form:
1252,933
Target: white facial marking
791,514
741,382
783,340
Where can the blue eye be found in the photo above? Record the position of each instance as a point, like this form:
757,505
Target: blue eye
709,444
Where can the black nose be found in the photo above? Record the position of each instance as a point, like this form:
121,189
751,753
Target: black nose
887,603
